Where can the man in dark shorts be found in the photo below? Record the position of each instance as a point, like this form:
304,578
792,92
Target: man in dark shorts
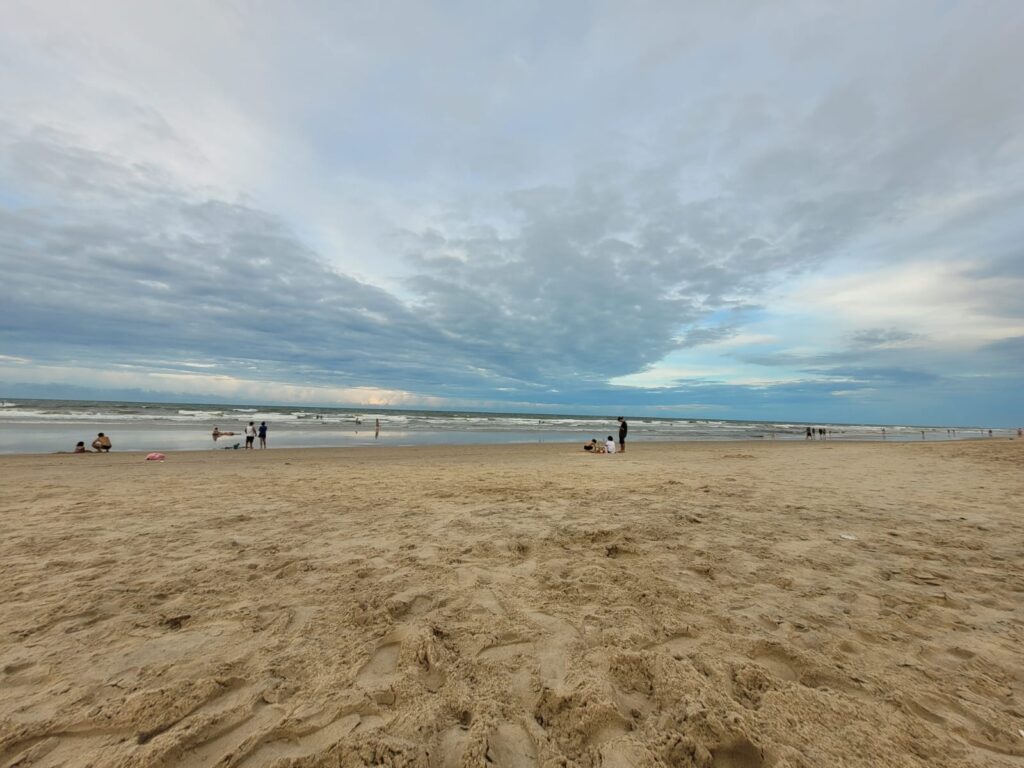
262,431
250,435
623,429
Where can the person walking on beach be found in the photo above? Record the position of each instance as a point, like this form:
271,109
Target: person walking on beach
262,431
623,429
250,435
808,435
376,429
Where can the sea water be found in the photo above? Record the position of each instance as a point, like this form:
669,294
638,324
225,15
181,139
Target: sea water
45,426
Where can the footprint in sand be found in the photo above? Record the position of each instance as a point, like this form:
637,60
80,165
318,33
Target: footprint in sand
381,666
778,664
510,746
553,653
296,743
230,742
678,646
450,749
741,753
502,651
619,755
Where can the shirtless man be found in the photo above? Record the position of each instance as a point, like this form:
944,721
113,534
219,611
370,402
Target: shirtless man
101,444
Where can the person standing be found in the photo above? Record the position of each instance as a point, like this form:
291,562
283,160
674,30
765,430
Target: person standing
376,429
623,429
250,435
262,432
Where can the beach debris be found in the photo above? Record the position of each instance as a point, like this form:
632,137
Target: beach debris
155,457
847,536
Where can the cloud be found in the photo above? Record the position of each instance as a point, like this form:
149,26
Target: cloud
524,205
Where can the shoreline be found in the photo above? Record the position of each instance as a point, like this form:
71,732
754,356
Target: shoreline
384,445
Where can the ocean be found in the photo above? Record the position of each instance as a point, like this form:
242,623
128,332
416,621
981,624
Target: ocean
46,426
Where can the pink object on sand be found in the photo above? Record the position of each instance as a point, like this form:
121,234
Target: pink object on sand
155,457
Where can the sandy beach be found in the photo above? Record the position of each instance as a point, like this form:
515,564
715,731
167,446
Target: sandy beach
726,605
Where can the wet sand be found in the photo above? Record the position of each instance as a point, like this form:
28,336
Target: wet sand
739,604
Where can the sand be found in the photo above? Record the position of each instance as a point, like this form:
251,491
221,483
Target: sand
726,605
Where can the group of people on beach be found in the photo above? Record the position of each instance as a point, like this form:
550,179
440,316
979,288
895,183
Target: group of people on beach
609,446
251,433
101,444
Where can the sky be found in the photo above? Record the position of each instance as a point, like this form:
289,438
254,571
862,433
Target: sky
744,210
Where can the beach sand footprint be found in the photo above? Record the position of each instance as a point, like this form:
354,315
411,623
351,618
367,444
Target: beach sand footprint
505,650
778,664
741,753
677,646
553,653
957,718
229,742
301,743
450,749
623,755
510,746
381,666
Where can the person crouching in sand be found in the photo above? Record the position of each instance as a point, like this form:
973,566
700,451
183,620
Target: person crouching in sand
101,444
593,447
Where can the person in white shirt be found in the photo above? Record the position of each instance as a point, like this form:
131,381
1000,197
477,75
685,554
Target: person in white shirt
609,445
250,435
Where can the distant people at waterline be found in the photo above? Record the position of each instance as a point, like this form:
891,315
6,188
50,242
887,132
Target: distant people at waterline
623,430
250,436
262,432
101,444
217,433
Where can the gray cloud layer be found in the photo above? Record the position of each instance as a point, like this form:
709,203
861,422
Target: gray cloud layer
588,221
